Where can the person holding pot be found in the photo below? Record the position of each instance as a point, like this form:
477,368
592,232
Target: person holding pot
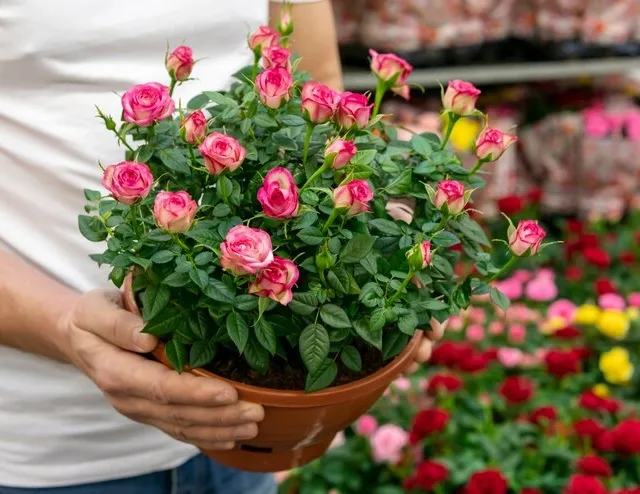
70,355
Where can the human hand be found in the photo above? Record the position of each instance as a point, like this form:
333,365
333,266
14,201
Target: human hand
426,345
102,338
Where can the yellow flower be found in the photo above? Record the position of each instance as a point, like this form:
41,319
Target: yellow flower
613,323
616,366
601,390
633,313
586,314
553,324
464,134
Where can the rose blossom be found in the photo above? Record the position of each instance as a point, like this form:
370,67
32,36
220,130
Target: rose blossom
390,67
419,256
221,152
634,299
595,466
491,143
509,357
273,87
276,56
401,384
144,104
611,301
541,290
427,476
194,127
344,151
366,425
319,102
355,195
510,287
276,280
128,181
496,328
246,250
428,422
487,482
517,334
563,308
475,333
278,194
387,443
180,63
353,110
460,97
262,37
516,389
581,484
626,436
174,211
527,237
450,193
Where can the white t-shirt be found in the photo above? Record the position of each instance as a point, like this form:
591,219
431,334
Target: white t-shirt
57,60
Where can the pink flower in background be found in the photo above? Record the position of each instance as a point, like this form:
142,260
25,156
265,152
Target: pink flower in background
541,290
402,384
477,314
529,360
562,308
596,123
387,443
540,354
475,333
366,425
611,301
496,328
511,287
517,334
545,273
455,323
510,357
634,299
522,275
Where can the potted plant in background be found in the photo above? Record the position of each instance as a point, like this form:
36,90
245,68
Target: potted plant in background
254,231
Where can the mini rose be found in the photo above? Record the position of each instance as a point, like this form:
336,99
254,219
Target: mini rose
262,37
492,143
389,67
194,127
387,444
180,63
144,104
450,197
344,151
246,250
460,98
273,87
221,152
276,280
276,56
128,181
278,194
354,195
526,238
174,211
319,102
353,111
285,24
419,257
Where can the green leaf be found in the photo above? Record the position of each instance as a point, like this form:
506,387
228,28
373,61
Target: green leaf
204,237
177,279
292,120
117,276
162,257
92,228
238,330
472,230
444,238
364,157
431,305
168,321
323,377
256,356
266,335
421,146
425,168
203,258
202,352
407,323
400,184
92,195
394,342
199,277
246,302
305,220
264,120
309,197
334,316
388,227
197,102
156,298
338,279
499,298
144,153
378,319
219,98
357,248
173,159
219,291
158,235
198,322
443,266
176,354
370,263
364,331
314,346
221,210
303,303
350,357
311,236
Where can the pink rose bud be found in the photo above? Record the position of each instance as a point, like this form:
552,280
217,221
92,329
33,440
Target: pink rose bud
366,425
389,67
285,24
276,56
492,143
246,250
450,195
475,333
262,37
460,98
344,151
353,111
276,280
174,211
128,181
517,334
388,443
273,87
278,194
194,127
221,152
180,63
419,256
526,238
319,102
355,195
144,104
509,357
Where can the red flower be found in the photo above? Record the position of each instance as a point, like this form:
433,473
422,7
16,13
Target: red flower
534,195
595,466
597,257
605,285
581,352
575,226
626,436
427,476
573,273
583,484
427,422
591,401
588,428
627,257
562,363
603,442
449,354
456,248
443,382
490,354
571,247
473,364
530,490
589,240
568,333
486,482
511,205
543,414
516,389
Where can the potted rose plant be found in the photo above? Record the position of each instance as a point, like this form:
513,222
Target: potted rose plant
254,231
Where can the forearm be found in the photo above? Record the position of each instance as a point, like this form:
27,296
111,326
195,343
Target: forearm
31,307
314,39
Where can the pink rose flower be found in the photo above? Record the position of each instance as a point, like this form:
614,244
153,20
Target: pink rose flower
194,127
144,104
319,102
496,328
477,314
612,301
541,290
526,238
285,24
390,67
174,211
475,333
355,195
491,143
563,308
262,37
276,56
221,152
509,357
273,87
545,272
522,275
276,280
634,299
180,63
517,334
401,384
456,323
450,193
460,98
419,257
353,111
387,443
511,287
246,250
344,151
278,194
128,181
366,425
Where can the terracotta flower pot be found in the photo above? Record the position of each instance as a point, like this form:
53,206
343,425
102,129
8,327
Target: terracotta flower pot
298,427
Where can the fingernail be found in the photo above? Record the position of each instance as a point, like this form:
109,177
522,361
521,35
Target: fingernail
248,431
252,413
144,342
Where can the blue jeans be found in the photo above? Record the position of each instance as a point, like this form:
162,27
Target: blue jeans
199,475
